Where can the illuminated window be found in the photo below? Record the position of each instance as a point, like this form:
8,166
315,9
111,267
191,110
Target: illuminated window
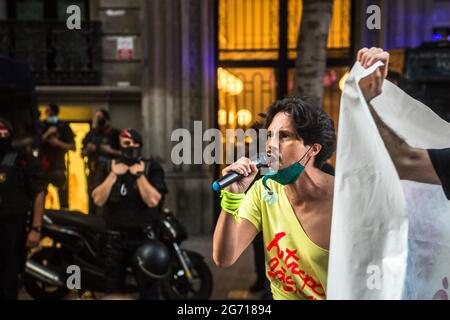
255,67
249,29
257,93
240,109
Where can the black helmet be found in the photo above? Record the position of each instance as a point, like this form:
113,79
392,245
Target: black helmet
152,258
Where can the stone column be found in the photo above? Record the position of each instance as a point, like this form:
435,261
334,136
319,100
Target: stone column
177,89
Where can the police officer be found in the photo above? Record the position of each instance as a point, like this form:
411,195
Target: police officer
131,191
21,189
100,144
57,139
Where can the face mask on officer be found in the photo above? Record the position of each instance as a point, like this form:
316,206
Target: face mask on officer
52,112
101,122
131,153
101,118
52,119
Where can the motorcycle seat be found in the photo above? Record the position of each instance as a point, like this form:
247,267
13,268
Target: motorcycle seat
77,219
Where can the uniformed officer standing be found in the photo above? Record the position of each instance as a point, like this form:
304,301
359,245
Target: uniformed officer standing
131,191
101,144
57,139
22,186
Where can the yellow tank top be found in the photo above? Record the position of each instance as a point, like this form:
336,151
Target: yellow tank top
295,266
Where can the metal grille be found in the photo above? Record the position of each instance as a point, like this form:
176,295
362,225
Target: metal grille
248,25
249,29
56,55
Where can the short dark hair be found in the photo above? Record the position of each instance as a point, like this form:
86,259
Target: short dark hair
105,114
311,123
54,108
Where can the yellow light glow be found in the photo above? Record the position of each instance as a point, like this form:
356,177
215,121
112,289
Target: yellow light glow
52,200
228,82
244,117
231,117
78,197
342,81
70,113
222,117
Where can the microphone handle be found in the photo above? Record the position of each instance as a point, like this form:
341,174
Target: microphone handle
226,180
230,178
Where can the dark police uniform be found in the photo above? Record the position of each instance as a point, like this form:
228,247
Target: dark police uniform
21,179
126,216
53,160
97,136
441,163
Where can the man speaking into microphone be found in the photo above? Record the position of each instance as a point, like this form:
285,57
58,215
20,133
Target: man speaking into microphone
291,206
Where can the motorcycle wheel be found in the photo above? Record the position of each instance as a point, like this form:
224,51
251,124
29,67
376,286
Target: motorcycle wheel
177,287
38,289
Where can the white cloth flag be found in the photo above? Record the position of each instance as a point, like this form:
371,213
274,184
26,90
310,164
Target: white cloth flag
390,239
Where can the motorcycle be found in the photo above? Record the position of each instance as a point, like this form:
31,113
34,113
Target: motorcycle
77,239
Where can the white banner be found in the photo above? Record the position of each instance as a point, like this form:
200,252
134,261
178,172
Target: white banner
390,239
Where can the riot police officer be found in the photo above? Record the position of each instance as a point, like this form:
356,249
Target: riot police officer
57,140
100,144
131,191
22,186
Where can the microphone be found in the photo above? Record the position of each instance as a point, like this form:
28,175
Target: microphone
261,160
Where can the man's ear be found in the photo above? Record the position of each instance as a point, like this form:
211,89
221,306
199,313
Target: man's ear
315,149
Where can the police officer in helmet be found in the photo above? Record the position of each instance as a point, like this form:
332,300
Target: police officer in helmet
22,185
131,190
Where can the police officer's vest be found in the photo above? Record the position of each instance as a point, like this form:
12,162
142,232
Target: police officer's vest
8,175
13,191
119,189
